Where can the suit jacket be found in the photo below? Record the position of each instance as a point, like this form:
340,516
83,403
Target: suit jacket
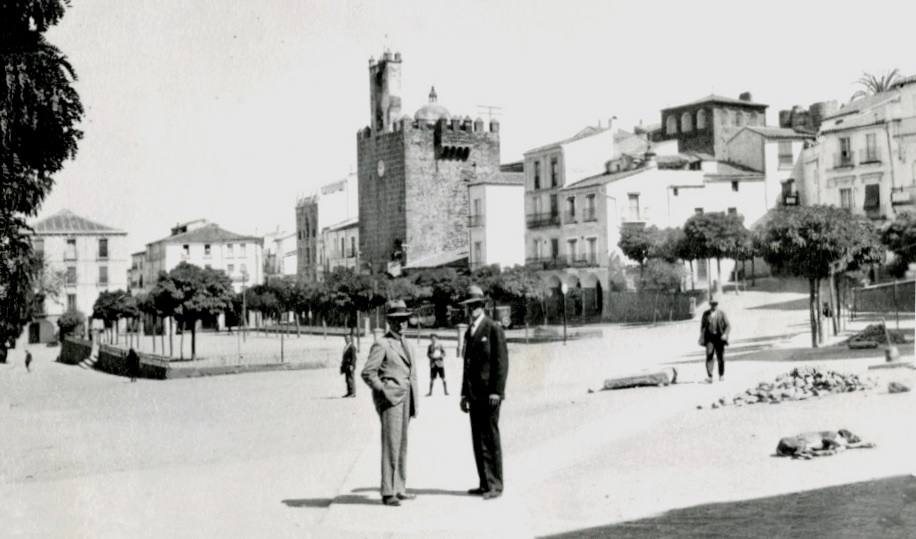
721,327
391,374
486,361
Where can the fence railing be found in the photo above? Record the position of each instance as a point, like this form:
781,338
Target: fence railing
536,220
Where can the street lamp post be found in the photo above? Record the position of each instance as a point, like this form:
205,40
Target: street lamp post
244,307
563,290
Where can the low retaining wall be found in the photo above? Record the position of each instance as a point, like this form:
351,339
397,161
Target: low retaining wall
74,350
111,360
648,307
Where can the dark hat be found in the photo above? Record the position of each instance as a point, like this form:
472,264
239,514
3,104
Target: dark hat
475,295
397,309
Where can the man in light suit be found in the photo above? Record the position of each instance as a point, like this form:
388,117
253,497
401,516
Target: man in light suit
483,388
392,375
714,330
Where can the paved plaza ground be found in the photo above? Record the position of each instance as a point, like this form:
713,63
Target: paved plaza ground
85,454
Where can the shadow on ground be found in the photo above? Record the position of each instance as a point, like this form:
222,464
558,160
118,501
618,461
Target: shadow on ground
878,508
766,353
323,503
418,491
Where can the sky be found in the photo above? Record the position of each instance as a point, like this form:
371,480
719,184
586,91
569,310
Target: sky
230,111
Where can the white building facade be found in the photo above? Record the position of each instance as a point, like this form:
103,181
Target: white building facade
865,158
91,258
496,221
207,245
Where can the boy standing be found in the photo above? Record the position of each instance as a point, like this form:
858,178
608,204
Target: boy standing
436,355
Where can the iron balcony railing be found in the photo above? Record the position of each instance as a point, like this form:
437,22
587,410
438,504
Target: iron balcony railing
569,217
589,215
536,220
546,262
476,220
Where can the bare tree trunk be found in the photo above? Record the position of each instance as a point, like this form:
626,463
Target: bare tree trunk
171,338
298,328
692,283
820,320
181,341
753,273
833,304
193,340
812,307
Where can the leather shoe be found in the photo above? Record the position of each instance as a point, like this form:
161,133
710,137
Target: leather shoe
405,496
391,500
490,494
477,491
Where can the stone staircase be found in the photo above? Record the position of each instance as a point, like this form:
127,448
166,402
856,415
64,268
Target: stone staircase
90,361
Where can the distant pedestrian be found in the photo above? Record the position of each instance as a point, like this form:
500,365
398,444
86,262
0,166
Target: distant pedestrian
392,374
133,364
483,389
348,366
436,354
714,330
28,361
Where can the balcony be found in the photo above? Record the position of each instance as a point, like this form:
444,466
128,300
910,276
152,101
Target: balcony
475,221
900,197
69,256
569,217
869,156
546,262
584,261
538,220
843,160
589,215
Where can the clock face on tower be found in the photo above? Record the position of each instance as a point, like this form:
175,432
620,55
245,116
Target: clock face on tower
381,168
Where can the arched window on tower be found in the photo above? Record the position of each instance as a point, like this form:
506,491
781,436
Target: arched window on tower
686,122
701,119
740,119
671,125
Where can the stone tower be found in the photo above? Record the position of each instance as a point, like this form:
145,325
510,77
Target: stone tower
414,174
384,91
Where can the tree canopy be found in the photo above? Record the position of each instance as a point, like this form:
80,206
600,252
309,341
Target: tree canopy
637,241
900,237
39,114
871,84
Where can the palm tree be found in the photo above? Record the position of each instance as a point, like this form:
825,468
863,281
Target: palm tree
873,84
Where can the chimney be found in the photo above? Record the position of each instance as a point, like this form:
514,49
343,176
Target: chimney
651,162
745,96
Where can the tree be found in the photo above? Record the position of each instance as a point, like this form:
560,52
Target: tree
667,245
520,286
637,241
198,292
166,300
39,111
900,237
712,235
443,287
113,306
872,84
815,242
69,323
660,276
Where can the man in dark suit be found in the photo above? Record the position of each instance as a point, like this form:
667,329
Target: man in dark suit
348,366
714,330
392,375
483,388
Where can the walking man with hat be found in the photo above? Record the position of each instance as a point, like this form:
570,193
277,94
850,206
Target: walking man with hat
391,374
483,388
714,329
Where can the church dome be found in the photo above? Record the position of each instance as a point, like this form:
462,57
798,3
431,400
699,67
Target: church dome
432,111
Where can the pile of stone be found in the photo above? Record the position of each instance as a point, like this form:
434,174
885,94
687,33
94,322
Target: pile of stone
874,335
799,384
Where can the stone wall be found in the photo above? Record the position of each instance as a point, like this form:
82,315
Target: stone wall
436,187
382,215
111,360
